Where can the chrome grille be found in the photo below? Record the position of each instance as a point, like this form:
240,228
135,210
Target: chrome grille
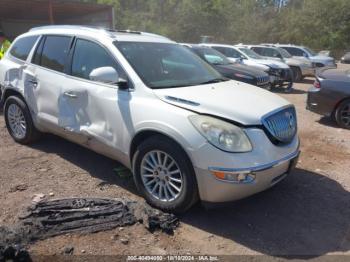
281,125
263,80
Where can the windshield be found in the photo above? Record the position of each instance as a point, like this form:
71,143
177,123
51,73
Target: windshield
311,52
284,52
250,53
212,56
166,65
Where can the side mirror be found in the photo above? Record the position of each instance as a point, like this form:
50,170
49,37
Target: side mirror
305,55
108,75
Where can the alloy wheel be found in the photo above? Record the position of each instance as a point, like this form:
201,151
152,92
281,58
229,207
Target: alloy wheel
161,176
345,115
17,122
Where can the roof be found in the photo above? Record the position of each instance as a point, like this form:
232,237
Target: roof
93,32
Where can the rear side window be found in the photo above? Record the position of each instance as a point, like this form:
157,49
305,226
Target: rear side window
54,52
258,50
22,47
294,51
89,56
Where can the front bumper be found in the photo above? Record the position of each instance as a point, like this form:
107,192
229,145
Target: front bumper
266,176
268,163
279,76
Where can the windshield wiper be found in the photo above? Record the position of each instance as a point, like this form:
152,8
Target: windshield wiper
215,80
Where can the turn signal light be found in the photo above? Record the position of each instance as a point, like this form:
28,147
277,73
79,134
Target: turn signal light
243,178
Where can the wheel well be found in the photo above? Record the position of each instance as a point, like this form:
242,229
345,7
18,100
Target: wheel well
339,102
318,64
143,135
11,92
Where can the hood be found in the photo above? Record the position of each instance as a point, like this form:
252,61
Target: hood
335,74
240,68
272,63
255,65
233,100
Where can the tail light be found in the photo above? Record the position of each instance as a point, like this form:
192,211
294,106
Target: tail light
317,84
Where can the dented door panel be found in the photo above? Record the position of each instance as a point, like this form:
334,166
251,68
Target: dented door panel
43,95
93,114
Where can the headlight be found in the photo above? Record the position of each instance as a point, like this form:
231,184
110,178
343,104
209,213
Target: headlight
221,134
243,76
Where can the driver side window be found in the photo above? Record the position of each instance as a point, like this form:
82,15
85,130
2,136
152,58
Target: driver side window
89,56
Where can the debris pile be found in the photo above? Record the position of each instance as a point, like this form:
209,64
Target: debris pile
48,218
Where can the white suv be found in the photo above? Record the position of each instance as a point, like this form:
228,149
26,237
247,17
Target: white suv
186,132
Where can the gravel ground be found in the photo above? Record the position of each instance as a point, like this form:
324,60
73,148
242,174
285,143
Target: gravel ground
306,214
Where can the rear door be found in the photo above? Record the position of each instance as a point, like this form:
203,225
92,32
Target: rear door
48,76
13,66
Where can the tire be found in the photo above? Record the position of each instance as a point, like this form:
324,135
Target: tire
297,76
26,132
169,200
342,114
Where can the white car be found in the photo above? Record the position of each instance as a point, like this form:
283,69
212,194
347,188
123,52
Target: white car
186,132
319,59
301,66
279,72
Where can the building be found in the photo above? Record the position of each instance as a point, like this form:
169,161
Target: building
18,16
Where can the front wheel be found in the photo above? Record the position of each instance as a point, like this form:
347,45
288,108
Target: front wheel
297,76
342,114
164,175
19,122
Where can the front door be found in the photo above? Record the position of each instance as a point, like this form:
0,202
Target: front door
92,109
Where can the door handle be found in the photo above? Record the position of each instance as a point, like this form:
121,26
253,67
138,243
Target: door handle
70,94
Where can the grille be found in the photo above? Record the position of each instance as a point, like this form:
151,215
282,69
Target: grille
281,125
263,80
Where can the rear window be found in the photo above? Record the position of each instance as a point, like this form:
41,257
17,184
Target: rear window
54,53
21,48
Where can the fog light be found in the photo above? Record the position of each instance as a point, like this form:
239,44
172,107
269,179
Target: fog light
241,178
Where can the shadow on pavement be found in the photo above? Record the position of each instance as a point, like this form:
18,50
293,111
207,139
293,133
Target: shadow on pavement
307,81
307,215
93,163
328,121
282,90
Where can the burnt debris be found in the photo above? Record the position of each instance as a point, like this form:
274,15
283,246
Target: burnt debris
49,218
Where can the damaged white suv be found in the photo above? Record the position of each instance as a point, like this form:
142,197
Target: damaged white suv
186,132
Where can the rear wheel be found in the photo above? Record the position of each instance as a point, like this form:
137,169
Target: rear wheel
342,114
164,175
19,122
